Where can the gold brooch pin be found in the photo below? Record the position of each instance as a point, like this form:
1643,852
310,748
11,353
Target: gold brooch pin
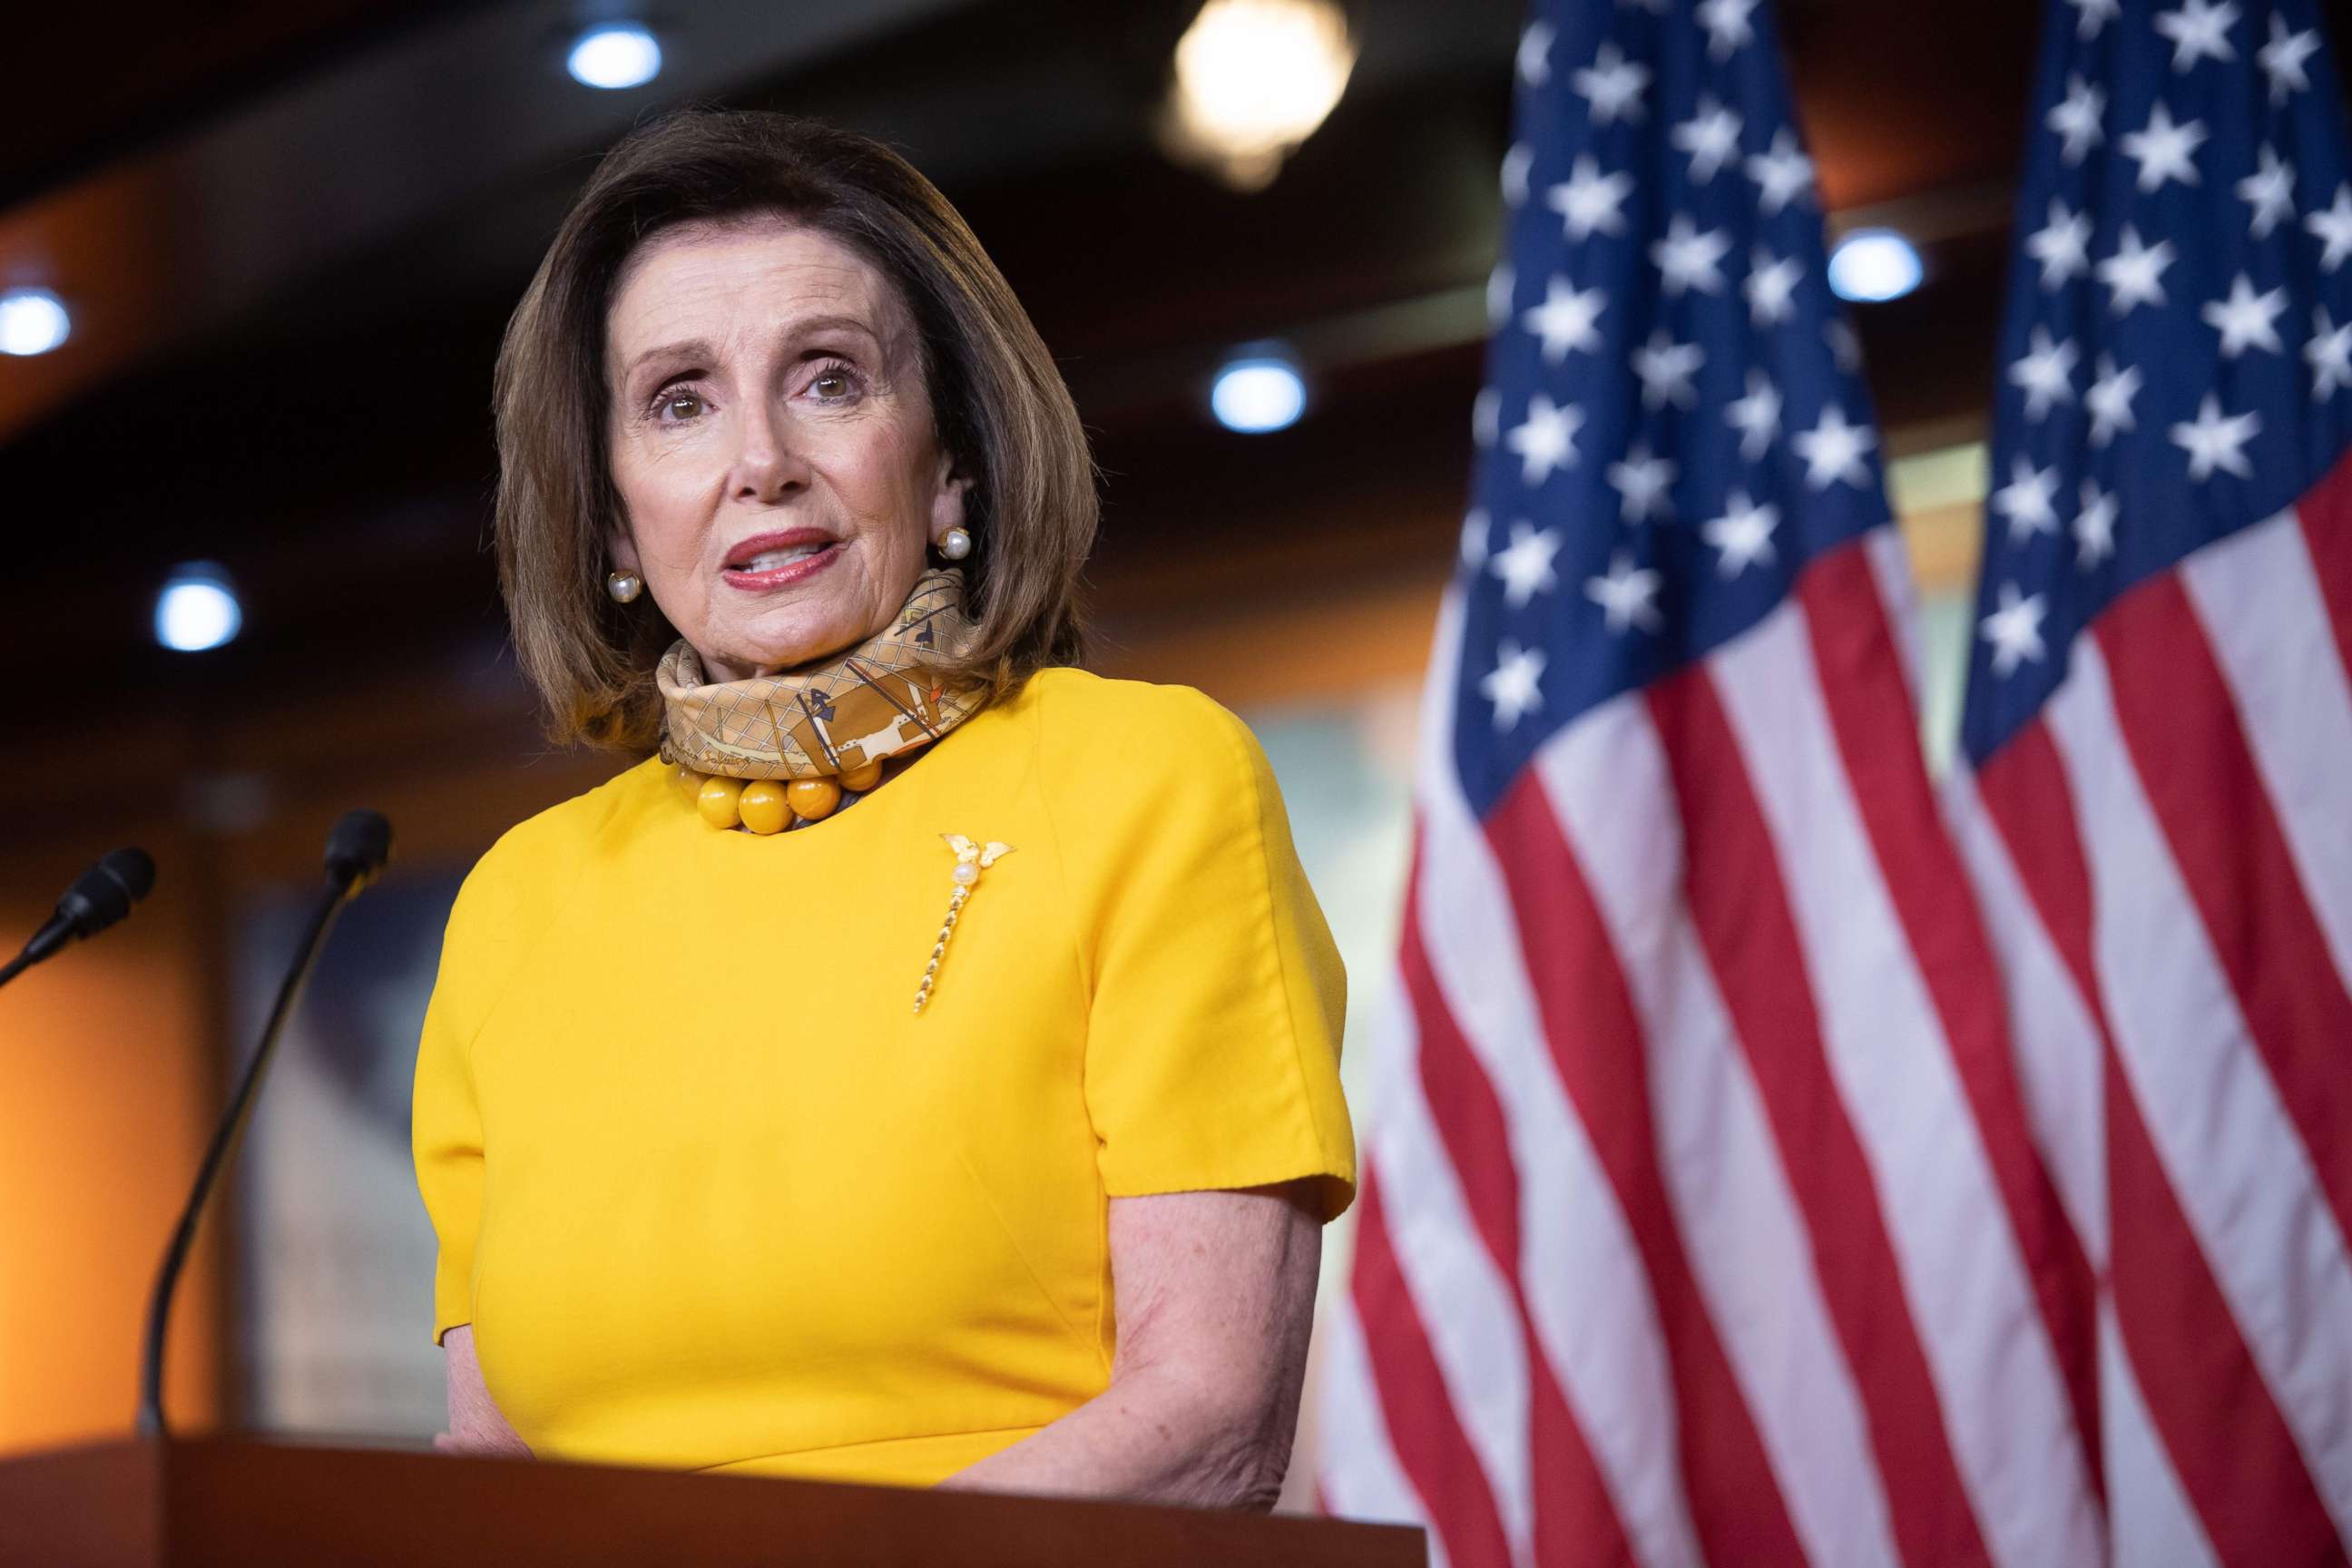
972,860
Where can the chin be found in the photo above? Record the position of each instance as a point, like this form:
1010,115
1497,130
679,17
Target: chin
781,647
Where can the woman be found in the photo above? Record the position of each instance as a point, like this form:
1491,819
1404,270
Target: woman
922,1070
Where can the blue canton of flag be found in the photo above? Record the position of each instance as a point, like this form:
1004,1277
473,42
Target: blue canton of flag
1673,424
2179,328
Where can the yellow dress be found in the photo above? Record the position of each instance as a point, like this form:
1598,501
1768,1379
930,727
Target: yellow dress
711,1195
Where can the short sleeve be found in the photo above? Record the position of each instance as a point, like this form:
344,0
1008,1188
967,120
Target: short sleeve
1217,995
446,1133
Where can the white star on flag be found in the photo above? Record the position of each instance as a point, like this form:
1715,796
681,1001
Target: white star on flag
1642,481
2110,400
1833,450
2333,227
1565,318
2075,118
1710,136
2329,356
2270,191
2135,272
1514,685
1756,417
2061,246
1535,53
1588,200
1687,257
1612,85
2015,629
2027,501
2045,372
1726,25
2096,13
2095,526
2163,150
1475,530
2199,30
1665,369
1518,164
1771,287
1781,174
2217,441
2246,320
1743,533
1627,595
2282,58
1548,439
1502,286
1524,563
1845,343
1486,416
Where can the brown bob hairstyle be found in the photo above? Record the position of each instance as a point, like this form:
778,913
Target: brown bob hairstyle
1002,412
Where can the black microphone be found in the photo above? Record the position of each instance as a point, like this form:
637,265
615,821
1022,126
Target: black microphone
99,897
356,849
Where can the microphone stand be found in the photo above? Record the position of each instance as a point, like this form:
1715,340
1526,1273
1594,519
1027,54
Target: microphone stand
344,878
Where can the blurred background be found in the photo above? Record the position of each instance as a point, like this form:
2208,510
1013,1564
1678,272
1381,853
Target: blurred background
254,260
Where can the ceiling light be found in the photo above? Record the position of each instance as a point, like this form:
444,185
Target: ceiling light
31,321
1873,264
616,55
1253,78
197,608
1258,394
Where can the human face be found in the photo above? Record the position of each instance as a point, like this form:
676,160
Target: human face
771,442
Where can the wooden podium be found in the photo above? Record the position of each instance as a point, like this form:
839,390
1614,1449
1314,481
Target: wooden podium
255,1504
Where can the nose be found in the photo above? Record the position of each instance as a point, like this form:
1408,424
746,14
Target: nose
769,465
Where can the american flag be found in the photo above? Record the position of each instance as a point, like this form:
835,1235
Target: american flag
1701,1220
2157,798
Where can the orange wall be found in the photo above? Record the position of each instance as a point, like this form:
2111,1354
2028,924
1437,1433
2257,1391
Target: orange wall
106,1094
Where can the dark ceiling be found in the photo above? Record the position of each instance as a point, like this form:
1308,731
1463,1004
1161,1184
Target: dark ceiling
315,416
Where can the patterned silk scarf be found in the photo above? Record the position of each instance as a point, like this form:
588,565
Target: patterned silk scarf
883,697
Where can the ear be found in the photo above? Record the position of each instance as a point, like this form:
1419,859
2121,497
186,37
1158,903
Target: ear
624,552
948,490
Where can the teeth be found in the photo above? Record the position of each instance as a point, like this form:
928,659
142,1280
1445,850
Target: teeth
770,559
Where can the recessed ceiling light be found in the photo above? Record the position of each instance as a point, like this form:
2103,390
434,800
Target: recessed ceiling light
1258,394
31,321
1873,264
614,56
1253,78
197,608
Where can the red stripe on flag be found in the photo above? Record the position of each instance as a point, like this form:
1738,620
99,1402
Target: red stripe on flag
1428,1440
1575,1519
2184,1343
1595,1039
2326,515
1862,685
2189,746
2235,1457
1741,911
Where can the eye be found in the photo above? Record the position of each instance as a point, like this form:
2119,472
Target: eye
832,384
675,404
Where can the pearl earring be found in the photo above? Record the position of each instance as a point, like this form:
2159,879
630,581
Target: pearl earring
955,544
624,586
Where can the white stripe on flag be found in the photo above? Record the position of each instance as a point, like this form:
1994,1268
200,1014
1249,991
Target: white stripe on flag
2258,596
1463,1303
2153,1521
1357,1465
2229,1148
1591,1305
2060,1059
1996,1374
1606,779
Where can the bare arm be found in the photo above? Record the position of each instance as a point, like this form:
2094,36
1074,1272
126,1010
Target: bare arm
475,1424
1216,1293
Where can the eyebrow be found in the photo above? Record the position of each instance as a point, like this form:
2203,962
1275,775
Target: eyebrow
699,348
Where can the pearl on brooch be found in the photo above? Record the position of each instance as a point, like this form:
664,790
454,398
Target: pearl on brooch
967,873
